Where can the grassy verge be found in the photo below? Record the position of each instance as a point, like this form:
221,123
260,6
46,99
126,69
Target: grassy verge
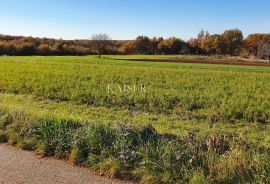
137,152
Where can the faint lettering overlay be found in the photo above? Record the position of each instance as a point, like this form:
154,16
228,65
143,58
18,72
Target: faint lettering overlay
126,89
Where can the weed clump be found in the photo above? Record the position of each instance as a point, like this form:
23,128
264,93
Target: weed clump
26,144
13,137
55,136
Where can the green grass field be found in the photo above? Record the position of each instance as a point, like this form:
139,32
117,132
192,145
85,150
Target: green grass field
214,93
217,104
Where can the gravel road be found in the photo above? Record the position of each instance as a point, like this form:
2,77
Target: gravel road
23,167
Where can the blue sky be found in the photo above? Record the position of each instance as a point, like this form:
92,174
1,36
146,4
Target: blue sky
126,19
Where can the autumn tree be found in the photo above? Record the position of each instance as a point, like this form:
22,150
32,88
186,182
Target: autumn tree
218,45
128,47
254,41
194,45
26,48
2,48
143,45
202,34
201,44
232,40
44,50
211,44
154,45
10,49
264,51
172,45
206,44
58,48
99,42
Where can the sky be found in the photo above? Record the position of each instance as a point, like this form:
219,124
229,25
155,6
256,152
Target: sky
127,19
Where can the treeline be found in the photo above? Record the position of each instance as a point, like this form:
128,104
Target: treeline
145,45
231,42
23,46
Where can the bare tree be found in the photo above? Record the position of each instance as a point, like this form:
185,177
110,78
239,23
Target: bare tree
100,41
264,51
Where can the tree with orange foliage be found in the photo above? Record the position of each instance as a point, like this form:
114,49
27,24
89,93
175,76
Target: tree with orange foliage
254,41
232,40
172,45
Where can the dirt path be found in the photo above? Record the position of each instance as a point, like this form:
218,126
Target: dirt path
22,167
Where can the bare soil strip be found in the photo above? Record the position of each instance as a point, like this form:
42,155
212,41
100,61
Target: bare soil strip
204,61
23,167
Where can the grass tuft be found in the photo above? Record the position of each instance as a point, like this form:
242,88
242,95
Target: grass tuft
3,136
112,168
13,137
26,144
